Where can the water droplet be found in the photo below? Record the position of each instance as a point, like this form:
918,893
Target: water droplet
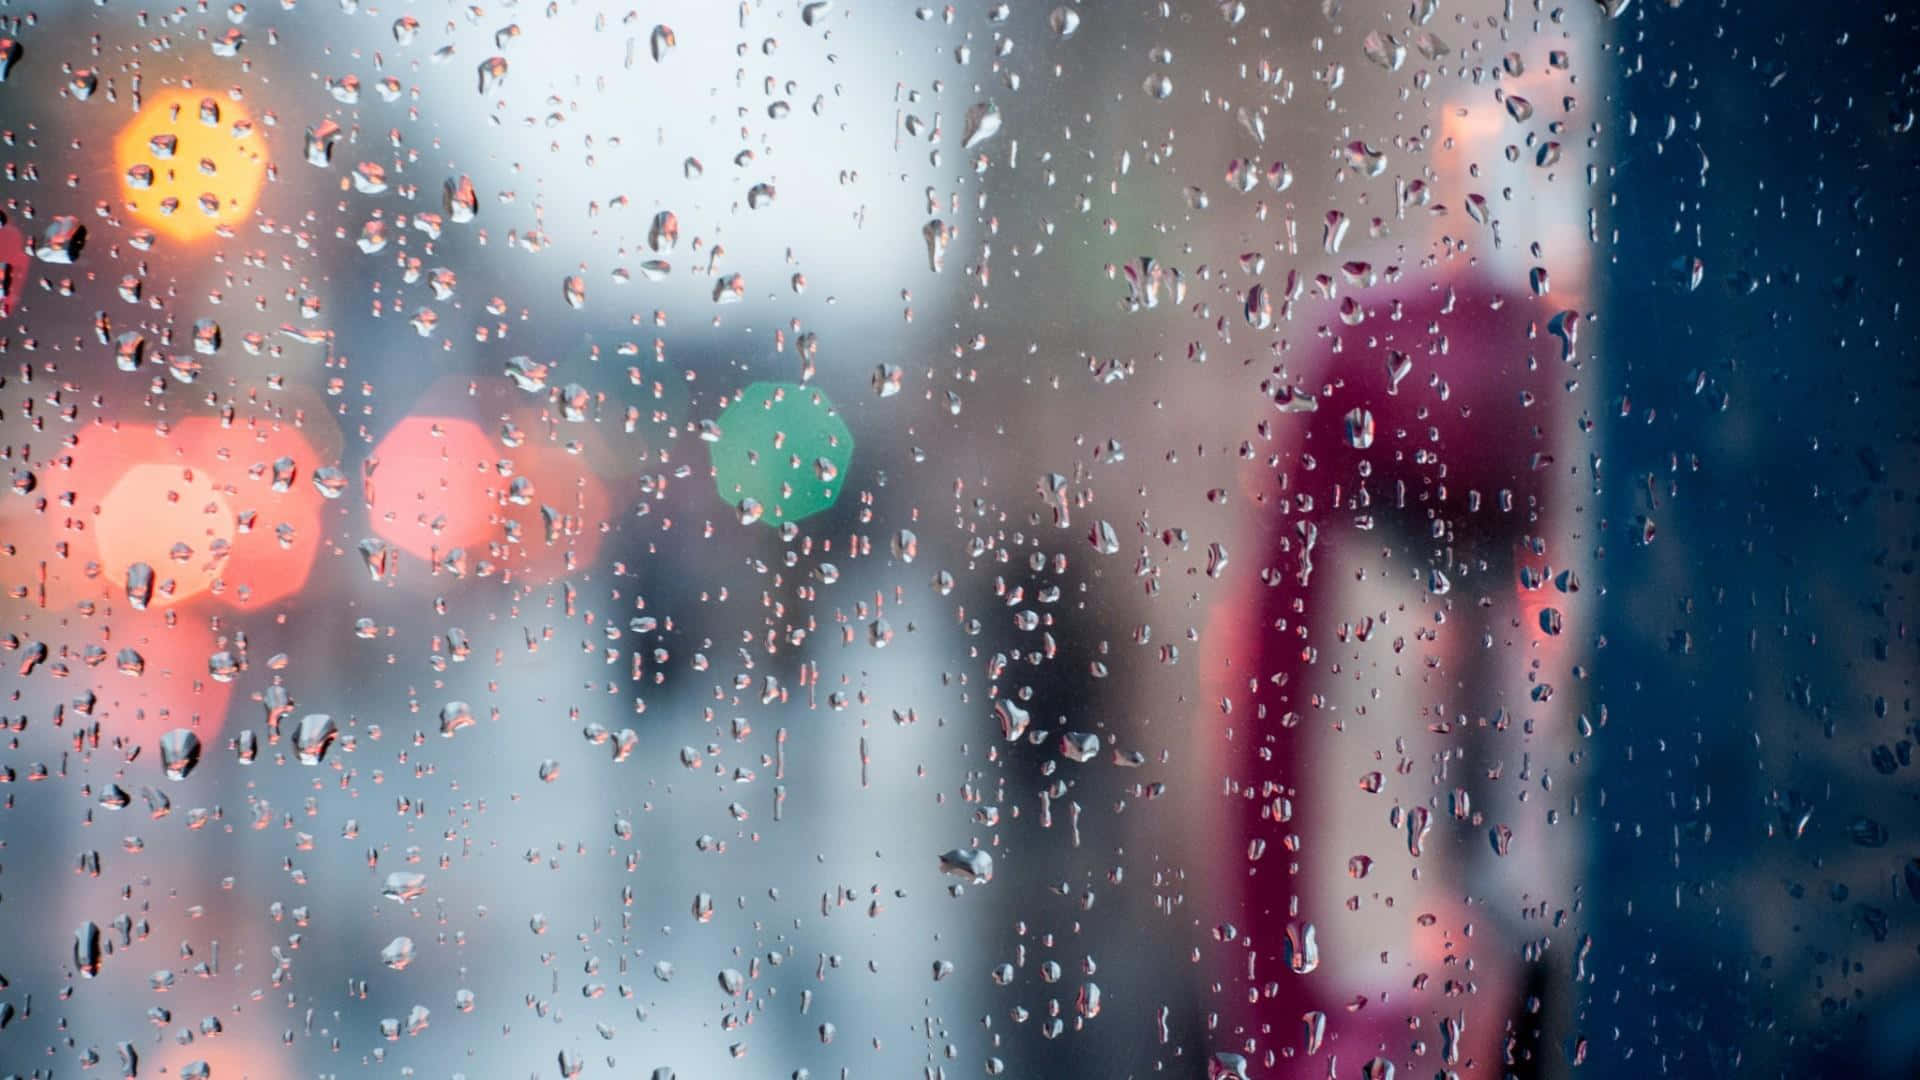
314,737
661,42
1360,428
1079,746
493,72
179,753
972,864
1301,949
982,123
87,950
398,953
1384,50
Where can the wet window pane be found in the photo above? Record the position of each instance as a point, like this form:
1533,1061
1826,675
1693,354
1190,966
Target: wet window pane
822,539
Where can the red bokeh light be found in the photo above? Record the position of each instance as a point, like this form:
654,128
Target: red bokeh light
149,676
441,483
13,268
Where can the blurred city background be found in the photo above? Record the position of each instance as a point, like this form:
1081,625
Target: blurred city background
819,539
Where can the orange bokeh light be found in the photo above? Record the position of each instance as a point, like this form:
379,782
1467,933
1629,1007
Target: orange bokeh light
190,163
198,504
171,518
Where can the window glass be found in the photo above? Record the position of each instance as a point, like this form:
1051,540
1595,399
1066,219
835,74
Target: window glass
832,539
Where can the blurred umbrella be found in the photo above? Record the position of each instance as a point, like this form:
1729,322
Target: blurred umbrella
780,452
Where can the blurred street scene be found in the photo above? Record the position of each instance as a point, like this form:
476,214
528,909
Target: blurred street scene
805,539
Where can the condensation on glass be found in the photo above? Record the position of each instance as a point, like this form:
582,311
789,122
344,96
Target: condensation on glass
821,539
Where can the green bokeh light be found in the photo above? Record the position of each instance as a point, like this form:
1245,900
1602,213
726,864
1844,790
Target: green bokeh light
784,446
